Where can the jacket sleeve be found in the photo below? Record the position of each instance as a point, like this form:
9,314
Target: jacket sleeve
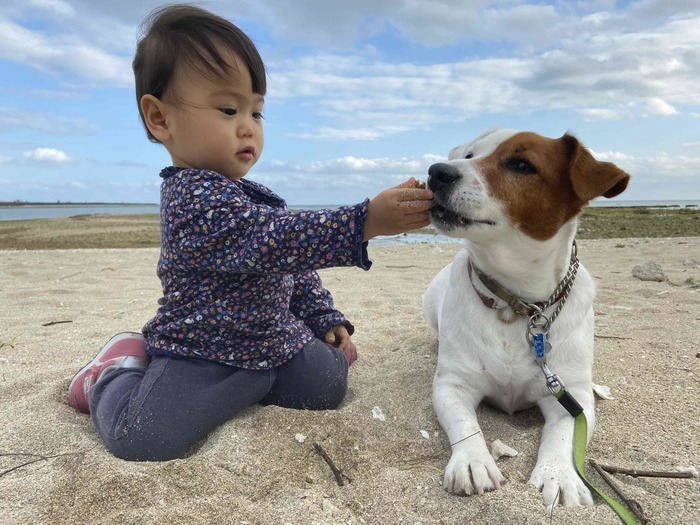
210,224
313,304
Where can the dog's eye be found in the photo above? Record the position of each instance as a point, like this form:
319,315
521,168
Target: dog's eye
469,155
518,165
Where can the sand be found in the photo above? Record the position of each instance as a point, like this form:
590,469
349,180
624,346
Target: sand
261,467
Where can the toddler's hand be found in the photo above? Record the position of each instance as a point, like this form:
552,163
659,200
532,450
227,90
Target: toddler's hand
400,209
339,337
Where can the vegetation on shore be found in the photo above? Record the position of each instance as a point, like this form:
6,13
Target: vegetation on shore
143,230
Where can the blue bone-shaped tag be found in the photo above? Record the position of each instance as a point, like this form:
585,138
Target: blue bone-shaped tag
539,343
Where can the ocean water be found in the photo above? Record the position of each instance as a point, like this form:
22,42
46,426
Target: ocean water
38,211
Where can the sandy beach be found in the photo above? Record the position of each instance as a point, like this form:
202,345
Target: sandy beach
58,308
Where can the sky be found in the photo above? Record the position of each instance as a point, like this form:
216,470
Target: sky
362,94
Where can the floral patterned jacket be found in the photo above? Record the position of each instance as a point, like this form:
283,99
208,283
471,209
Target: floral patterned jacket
238,270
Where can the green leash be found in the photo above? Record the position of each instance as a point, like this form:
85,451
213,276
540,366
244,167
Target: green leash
580,441
556,387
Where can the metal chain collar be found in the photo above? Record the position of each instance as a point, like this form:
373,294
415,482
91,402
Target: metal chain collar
537,319
533,311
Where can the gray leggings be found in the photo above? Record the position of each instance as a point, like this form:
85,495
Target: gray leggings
158,413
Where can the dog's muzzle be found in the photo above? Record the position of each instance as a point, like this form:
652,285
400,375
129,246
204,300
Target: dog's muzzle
441,176
442,180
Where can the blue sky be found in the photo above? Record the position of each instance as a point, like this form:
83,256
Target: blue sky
361,94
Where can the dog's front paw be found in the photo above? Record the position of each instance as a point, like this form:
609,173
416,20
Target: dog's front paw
560,484
467,474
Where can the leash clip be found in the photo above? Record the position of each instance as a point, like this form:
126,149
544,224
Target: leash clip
554,384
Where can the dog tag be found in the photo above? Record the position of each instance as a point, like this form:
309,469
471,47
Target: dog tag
540,345
569,403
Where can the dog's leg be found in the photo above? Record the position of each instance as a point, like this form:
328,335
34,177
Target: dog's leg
471,468
555,473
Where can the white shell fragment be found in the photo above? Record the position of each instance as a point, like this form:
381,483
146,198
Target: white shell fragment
378,414
425,434
329,508
602,391
300,437
500,449
688,470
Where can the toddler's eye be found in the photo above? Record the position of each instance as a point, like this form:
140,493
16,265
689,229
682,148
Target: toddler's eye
258,115
229,111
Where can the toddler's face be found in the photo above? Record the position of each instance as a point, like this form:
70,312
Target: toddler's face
215,124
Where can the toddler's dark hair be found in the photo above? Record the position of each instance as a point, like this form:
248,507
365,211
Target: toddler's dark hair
181,34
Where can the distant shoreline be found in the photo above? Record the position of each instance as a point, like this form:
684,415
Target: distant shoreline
16,204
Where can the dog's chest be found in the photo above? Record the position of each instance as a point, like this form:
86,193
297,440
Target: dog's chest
507,364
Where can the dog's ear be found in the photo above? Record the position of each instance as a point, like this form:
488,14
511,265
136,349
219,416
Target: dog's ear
591,178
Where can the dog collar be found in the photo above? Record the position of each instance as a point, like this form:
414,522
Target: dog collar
519,306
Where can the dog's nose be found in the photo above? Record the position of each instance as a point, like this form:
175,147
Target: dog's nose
441,174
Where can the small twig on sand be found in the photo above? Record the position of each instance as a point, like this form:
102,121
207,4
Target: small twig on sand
421,462
614,337
38,457
69,276
635,507
646,473
336,471
51,323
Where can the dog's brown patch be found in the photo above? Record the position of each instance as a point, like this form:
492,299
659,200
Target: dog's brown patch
545,182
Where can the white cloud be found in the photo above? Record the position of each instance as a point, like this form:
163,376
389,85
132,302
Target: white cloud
342,134
609,77
657,106
48,155
660,165
348,178
5,160
535,25
63,54
591,61
350,164
600,114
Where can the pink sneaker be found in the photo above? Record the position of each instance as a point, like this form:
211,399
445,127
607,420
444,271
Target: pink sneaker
124,350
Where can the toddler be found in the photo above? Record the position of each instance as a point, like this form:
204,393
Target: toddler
244,318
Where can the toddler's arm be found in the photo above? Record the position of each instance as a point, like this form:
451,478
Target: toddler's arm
313,304
212,224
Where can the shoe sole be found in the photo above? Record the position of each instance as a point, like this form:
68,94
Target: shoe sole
97,360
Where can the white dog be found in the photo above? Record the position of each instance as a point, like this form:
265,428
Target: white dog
515,290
